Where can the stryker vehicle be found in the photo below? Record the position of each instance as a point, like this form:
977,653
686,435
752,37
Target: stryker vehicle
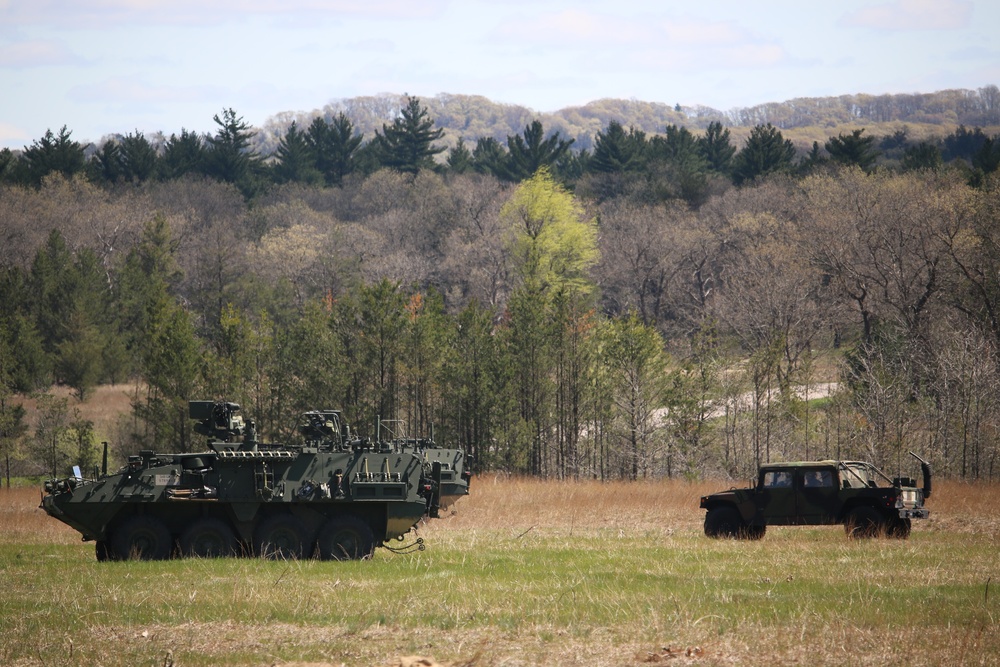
336,495
810,493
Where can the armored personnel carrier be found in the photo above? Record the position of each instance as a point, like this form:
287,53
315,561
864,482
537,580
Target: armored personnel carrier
335,495
855,494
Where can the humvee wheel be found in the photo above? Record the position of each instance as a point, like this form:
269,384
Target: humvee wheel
346,538
280,537
208,538
863,522
899,529
141,538
726,522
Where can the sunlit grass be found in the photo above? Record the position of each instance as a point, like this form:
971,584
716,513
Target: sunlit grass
525,573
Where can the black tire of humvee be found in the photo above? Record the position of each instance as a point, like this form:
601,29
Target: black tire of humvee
726,522
899,529
281,537
209,537
141,537
864,522
345,538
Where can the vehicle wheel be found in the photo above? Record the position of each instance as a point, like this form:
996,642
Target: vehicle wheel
208,538
346,538
281,537
103,552
724,522
754,532
141,538
864,522
899,529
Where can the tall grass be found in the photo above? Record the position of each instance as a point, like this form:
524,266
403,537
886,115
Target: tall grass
525,573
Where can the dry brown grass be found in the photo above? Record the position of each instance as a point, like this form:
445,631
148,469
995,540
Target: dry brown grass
103,405
526,572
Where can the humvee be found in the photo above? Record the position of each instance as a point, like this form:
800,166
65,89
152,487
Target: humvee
855,494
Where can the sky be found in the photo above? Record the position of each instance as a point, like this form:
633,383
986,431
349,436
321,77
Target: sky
101,67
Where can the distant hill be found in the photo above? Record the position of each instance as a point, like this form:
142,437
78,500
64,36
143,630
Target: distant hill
802,119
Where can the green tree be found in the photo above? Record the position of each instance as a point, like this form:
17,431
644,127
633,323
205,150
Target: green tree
489,156
717,149
853,149
678,158
633,354
407,144
230,157
765,152
987,158
7,163
473,382
12,424
171,368
53,154
296,160
80,353
182,155
106,165
460,158
51,431
618,151
924,155
553,246
334,146
530,151
142,290
138,158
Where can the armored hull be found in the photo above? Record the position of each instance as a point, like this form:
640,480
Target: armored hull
335,497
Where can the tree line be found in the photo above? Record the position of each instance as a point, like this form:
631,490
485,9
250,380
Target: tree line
664,310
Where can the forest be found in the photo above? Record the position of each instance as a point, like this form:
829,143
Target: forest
669,303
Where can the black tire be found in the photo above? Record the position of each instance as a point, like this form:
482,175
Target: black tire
103,552
346,538
141,538
754,532
281,537
725,522
899,529
864,522
209,538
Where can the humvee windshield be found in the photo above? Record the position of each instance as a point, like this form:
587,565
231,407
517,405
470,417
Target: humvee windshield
860,475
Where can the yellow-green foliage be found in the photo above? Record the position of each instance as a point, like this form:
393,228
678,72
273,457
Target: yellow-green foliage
553,242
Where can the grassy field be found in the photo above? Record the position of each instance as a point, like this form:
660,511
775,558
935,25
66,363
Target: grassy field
525,573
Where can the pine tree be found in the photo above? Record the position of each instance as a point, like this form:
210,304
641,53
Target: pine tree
296,160
853,149
53,154
182,155
138,158
460,158
765,152
406,145
616,151
528,153
716,148
334,146
230,157
489,156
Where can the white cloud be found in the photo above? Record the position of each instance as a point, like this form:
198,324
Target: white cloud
102,13
34,53
914,15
